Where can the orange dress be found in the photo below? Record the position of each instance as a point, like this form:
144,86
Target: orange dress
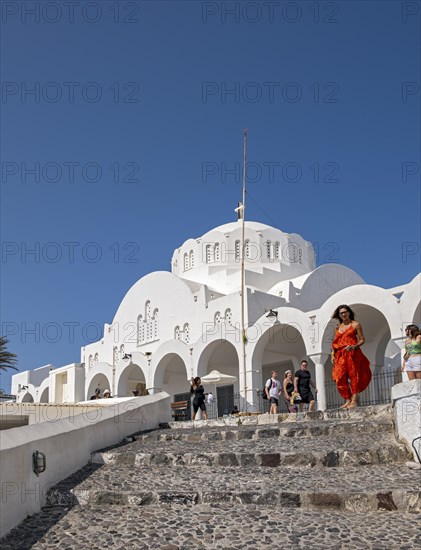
351,369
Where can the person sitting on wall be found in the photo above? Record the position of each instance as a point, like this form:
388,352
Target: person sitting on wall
235,410
107,394
135,393
97,394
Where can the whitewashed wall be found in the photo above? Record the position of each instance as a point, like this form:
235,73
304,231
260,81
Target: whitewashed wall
68,445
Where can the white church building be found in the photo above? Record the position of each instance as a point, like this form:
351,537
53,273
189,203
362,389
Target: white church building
171,326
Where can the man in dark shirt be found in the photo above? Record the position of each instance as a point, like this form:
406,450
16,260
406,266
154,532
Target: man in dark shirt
97,394
302,383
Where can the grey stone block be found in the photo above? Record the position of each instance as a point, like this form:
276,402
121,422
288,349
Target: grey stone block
271,460
228,459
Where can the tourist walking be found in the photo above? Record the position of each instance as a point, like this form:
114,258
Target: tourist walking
288,387
351,368
303,384
199,397
412,359
273,391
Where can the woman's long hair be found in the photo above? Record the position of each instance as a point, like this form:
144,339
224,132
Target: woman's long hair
338,317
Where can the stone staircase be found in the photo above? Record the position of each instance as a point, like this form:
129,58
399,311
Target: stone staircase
327,480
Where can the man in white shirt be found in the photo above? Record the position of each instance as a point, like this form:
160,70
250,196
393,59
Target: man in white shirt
273,391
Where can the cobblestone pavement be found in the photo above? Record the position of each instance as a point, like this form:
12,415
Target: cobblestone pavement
333,481
176,527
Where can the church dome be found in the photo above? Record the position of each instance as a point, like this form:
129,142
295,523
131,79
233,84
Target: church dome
270,256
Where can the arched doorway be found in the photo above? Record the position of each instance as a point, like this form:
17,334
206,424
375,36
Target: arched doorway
380,350
171,376
131,378
27,398
44,396
279,349
222,356
98,381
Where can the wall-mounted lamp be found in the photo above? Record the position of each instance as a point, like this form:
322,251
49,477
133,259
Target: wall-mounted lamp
127,356
272,314
23,388
39,462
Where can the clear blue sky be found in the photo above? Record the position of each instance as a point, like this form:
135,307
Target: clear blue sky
134,126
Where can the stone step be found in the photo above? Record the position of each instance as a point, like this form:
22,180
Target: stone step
374,412
216,527
316,428
352,489
321,452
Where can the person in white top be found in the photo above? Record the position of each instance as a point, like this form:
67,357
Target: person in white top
273,391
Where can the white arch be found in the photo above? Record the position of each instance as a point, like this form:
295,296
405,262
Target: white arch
44,395
101,375
27,398
410,303
128,378
229,358
364,295
170,374
101,381
293,317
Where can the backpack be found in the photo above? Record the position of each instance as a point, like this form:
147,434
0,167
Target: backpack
263,392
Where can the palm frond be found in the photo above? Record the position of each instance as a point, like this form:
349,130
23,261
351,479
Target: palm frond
8,360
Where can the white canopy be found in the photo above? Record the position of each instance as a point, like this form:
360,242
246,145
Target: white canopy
216,377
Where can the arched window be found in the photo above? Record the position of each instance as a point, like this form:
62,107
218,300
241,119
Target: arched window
295,253
140,330
148,309
186,261
268,249
216,252
237,251
155,324
122,352
91,362
208,253
217,318
116,356
191,259
247,247
276,250
96,358
177,333
186,331
228,317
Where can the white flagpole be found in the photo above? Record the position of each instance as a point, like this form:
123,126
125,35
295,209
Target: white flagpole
243,247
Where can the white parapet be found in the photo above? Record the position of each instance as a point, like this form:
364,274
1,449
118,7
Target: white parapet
406,400
67,445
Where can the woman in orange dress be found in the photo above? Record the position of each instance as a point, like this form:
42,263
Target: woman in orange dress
351,368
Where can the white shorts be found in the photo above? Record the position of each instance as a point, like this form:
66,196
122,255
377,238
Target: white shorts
413,364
